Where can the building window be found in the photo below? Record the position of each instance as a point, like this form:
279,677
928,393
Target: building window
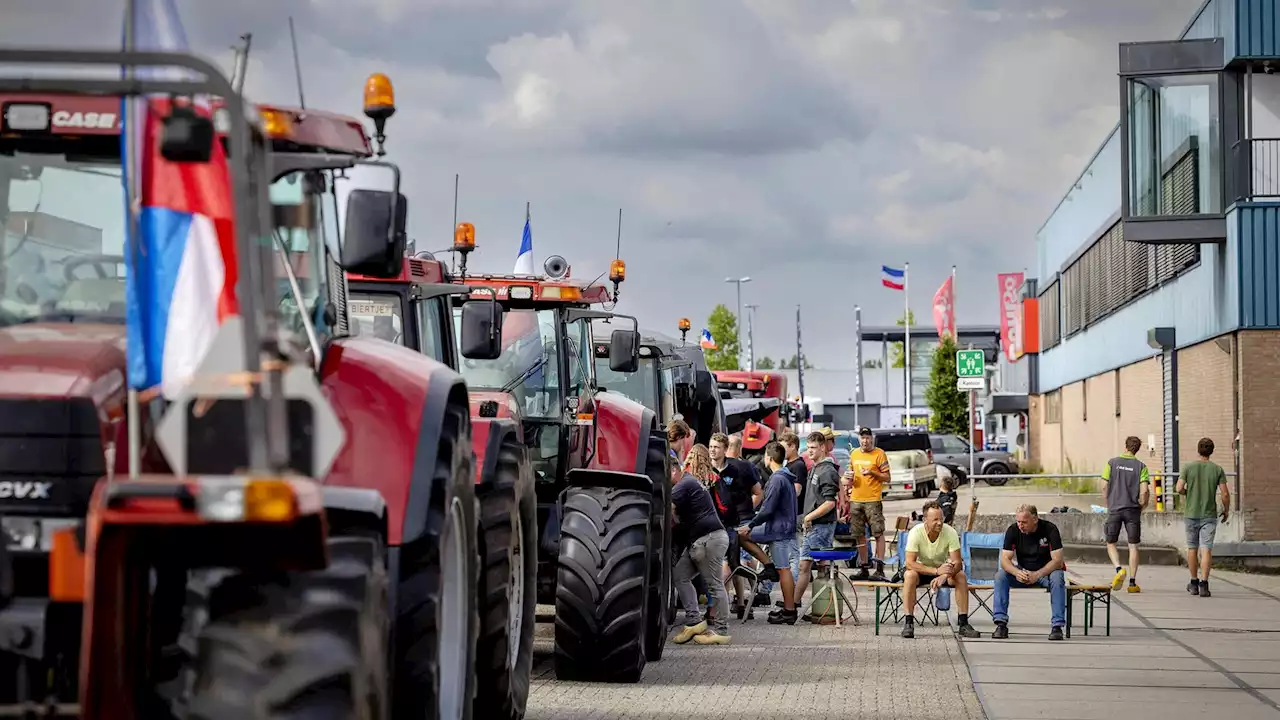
1116,374
1050,316
1111,273
1175,148
1053,407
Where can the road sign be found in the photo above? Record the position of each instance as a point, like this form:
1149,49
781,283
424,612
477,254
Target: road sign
970,383
970,364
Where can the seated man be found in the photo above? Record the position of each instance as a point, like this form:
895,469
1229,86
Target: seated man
933,557
775,524
1036,546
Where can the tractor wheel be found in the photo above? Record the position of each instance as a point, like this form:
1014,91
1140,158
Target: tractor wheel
601,584
299,645
657,624
507,590
436,618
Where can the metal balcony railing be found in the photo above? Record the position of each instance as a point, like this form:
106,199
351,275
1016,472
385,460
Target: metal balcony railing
1257,164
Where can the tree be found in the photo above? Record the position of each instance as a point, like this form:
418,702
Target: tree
950,406
765,363
895,349
794,364
724,330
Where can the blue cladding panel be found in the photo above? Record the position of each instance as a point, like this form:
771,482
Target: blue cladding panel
1257,29
1257,229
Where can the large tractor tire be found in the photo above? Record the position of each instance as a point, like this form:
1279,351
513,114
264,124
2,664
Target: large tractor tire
436,616
602,584
657,622
507,589
301,645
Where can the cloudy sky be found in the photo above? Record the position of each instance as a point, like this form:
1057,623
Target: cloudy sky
802,143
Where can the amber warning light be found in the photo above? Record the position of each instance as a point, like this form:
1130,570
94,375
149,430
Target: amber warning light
379,104
464,237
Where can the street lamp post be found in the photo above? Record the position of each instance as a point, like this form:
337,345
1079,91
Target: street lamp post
751,336
738,282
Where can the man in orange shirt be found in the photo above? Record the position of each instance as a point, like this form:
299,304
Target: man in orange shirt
864,480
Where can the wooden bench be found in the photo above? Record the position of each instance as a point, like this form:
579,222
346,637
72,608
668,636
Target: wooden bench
1093,594
890,603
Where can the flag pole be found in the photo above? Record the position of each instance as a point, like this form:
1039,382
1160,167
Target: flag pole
906,345
132,409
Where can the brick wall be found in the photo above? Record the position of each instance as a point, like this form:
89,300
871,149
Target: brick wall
1035,429
1206,399
1141,410
1259,401
1046,438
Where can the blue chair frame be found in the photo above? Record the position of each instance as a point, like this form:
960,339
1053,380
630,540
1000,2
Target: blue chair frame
982,584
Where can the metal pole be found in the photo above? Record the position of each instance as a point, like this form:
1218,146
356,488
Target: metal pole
973,399
738,282
800,365
132,409
906,345
884,370
751,337
857,370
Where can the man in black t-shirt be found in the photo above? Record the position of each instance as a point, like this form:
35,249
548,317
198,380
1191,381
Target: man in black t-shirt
1031,556
739,485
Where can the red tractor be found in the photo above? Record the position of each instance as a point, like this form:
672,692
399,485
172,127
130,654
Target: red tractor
415,309
298,538
599,461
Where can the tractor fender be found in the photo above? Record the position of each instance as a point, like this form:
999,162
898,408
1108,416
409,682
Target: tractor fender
355,511
396,406
622,428
487,438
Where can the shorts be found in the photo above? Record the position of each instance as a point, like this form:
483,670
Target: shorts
819,537
1131,518
1200,532
862,514
782,551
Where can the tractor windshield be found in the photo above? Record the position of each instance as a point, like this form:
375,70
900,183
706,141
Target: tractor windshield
529,365
62,258
306,216
376,315
641,385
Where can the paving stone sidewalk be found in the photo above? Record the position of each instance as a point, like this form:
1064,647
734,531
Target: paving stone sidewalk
1171,655
778,672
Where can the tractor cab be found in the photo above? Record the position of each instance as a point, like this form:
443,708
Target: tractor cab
661,378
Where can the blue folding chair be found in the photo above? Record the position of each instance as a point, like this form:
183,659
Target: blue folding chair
981,554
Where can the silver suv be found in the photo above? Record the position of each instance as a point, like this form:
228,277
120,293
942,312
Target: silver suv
953,451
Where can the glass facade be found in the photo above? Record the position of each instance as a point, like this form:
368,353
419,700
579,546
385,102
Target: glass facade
1175,146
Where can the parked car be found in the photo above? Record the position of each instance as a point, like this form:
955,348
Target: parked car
911,465
953,450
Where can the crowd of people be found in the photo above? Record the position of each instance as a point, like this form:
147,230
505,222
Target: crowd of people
730,512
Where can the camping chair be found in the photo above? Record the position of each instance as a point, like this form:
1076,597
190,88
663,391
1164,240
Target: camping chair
981,554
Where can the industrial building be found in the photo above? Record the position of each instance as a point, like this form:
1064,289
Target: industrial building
1156,308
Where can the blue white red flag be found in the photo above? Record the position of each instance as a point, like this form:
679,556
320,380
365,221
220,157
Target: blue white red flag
524,259
893,278
706,340
180,254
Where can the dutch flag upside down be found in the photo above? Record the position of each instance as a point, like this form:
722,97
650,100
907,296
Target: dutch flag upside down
892,278
182,277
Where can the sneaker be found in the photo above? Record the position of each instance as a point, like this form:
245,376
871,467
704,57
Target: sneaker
861,574
968,631
1133,587
1193,587
689,632
908,630
784,617
711,637
760,600
1001,631
1118,580
1054,634
1204,589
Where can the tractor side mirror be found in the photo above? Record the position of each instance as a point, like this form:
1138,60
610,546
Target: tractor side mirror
624,351
374,241
481,330
186,136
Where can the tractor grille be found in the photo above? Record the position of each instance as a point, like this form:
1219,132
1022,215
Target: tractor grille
51,455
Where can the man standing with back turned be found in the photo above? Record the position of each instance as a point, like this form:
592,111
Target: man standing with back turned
1126,483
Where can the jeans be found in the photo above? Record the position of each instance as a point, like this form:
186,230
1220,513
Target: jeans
705,557
1200,532
1056,582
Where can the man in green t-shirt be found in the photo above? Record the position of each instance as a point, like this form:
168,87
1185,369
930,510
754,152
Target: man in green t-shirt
1200,481
933,560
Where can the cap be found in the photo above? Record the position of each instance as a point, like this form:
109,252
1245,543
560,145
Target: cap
864,432
828,433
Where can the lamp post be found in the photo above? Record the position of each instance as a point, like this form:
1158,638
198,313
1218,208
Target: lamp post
739,282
